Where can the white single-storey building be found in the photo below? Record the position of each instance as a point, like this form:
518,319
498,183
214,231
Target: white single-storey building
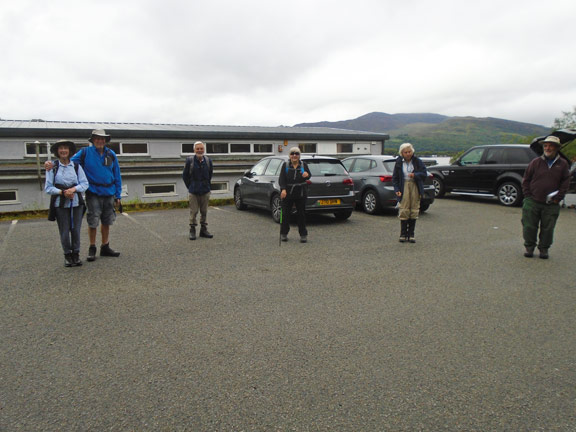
152,156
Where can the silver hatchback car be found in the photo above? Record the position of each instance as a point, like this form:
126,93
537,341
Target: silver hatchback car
372,175
330,189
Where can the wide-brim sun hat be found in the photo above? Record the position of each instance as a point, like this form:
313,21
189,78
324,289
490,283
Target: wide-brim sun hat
100,133
54,147
552,140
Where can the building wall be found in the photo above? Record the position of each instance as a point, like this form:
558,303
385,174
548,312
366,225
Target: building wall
161,183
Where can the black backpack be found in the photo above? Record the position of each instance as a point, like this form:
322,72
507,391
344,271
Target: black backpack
190,161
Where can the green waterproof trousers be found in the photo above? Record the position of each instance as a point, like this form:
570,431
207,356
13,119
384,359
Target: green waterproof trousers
541,216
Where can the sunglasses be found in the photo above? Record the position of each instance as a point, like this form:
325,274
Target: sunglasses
294,153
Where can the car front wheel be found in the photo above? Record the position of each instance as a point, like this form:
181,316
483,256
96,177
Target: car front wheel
276,206
510,194
439,189
238,199
370,202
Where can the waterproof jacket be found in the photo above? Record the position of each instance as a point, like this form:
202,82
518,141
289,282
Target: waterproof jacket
102,171
198,177
420,174
540,179
67,176
291,179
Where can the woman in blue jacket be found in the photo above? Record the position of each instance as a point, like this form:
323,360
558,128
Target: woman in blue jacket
408,179
293,181
65,183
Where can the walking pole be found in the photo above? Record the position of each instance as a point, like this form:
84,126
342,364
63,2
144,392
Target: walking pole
280,238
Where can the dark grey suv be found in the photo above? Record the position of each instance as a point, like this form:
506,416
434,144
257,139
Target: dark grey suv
330,189
491,170
372,175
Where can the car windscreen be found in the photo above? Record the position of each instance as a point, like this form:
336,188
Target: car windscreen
326,167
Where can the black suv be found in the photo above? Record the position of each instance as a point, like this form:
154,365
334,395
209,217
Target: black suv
492,170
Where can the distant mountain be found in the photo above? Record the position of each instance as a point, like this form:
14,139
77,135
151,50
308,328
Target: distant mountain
438,133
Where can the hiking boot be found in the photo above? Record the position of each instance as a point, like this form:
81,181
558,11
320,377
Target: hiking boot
204,232
192,235
68,260
106,250
544,253
283,237
303,239
410,232
76,259
529,252
91,253
403,231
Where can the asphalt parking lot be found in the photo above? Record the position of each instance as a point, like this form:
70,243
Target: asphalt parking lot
352,331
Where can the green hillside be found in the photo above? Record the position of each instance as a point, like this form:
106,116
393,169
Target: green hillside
432,133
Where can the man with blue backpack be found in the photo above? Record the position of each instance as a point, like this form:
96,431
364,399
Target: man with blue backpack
103,172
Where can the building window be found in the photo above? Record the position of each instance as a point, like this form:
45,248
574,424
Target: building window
8,196
219,187
239,148
45,148
81,146
216,147
227,148
344,147
114,146
262,148
187,148
165,189
307,147
31,149
134,148
128,149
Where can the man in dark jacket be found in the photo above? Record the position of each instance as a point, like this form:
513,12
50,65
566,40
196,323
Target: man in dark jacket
197,176
545,183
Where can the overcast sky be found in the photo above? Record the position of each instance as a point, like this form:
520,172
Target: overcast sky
277,62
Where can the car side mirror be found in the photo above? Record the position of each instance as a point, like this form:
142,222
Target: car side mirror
248,173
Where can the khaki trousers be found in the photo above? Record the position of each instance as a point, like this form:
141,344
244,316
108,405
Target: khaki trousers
410,204
198,203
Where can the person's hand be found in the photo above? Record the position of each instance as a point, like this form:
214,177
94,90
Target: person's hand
69,193
398,194
48,165
305,175
283,194
411,175
117,202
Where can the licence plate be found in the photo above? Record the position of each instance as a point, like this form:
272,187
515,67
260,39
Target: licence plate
329,202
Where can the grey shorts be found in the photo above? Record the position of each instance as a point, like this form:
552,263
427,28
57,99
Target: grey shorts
100,208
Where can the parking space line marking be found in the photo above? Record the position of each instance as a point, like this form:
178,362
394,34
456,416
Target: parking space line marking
3,243
147,229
